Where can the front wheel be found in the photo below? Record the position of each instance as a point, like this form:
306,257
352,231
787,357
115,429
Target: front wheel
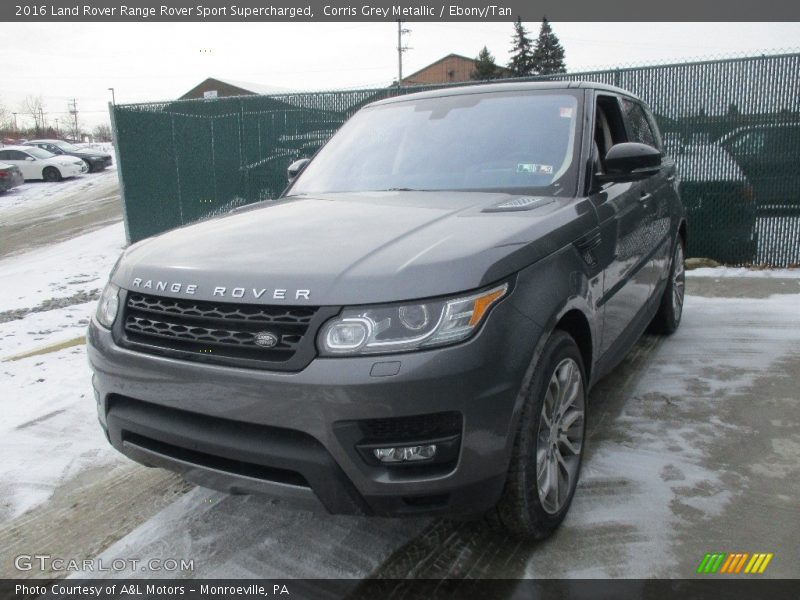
668,317
548,447
90,167
51,174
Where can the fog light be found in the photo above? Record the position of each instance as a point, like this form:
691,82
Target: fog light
405,454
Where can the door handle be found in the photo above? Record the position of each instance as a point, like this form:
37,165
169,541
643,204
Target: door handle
645,197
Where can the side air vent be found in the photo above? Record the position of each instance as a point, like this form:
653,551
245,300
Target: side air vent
520,203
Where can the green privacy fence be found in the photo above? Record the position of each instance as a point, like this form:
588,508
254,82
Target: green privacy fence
733,127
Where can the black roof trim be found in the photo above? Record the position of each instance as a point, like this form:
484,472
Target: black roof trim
488,88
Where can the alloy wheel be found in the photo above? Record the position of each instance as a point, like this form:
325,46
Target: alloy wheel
560,437
678,281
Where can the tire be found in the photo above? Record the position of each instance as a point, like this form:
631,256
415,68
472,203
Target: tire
531,506
670,311
51,174
88,164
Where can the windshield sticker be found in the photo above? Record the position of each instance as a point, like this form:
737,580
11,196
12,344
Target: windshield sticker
534,168
565,112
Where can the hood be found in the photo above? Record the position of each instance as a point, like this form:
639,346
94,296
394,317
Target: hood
339,249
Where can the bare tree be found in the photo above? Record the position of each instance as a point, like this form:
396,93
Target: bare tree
5,117
102,133
33,106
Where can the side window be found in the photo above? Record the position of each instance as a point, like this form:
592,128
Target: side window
16,155
639,124
609,128
4,155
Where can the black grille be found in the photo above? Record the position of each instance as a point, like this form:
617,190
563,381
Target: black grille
218,331
416,427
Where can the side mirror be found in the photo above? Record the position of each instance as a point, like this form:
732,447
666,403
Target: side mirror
296,168
630,161
30,158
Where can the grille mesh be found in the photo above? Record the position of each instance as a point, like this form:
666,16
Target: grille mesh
215,331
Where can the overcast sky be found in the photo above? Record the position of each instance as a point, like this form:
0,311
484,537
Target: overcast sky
161,61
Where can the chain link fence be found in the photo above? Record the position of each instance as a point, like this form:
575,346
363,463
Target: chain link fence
732,125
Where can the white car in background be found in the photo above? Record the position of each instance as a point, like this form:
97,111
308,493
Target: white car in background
36,163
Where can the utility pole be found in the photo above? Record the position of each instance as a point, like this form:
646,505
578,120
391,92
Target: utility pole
400,49
113,98
41,118
15,122
58,133
73,110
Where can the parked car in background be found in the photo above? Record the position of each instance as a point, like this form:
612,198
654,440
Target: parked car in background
36,163
720,204
95,160
769,156
10,177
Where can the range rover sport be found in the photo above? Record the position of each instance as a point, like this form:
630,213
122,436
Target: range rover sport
414,325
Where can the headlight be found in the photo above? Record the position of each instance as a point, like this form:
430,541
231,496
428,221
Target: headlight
108,306
407,326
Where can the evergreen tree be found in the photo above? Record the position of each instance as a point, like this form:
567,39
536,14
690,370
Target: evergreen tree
548,56
521,61
484,66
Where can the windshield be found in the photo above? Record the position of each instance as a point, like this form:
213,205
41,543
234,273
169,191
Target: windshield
67,147
39,153
519,142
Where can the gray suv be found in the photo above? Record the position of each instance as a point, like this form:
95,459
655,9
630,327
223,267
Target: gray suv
414,326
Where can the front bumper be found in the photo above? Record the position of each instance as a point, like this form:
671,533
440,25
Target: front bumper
293,435
73,170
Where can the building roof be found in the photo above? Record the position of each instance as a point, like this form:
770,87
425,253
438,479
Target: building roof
444,58
245,87
256,88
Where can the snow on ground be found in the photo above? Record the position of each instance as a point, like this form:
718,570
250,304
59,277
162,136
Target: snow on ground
49,431
46,401
60,270
654,469
98,146
720,272
253,537
36,194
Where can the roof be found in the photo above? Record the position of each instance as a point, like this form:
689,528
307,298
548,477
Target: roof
486,88
257,88
444,58
43,141
245,86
